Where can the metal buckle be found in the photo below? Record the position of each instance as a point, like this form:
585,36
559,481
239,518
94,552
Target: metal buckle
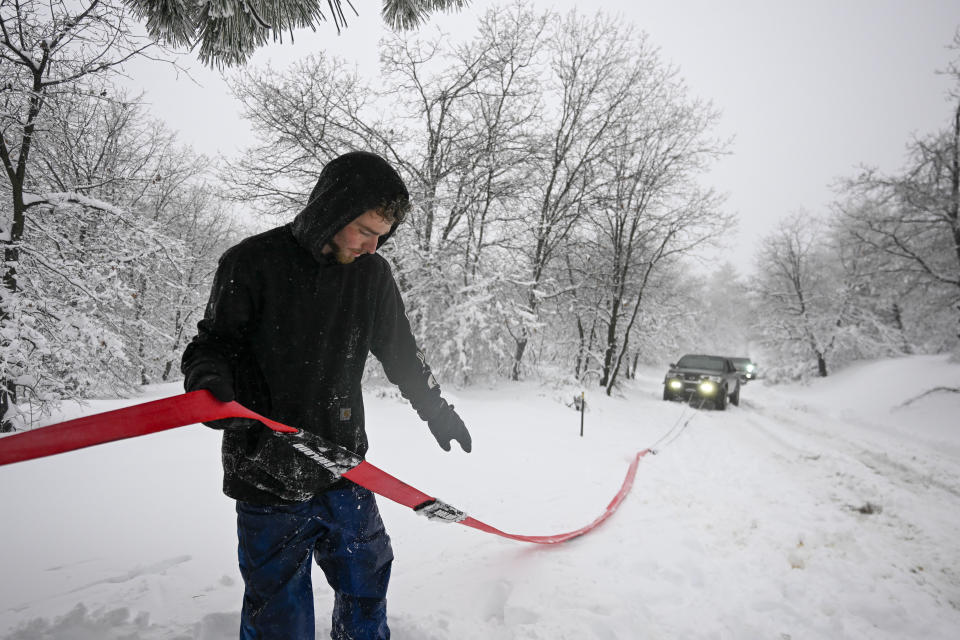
438,510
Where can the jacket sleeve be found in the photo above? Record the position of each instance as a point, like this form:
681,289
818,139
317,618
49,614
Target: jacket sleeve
222,334
403,362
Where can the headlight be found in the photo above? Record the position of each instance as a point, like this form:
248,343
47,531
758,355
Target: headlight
713,378
707,387
676,385
751,367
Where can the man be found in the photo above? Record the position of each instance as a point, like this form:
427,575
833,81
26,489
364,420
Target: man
292,315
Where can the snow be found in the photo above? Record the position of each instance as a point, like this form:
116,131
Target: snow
820,511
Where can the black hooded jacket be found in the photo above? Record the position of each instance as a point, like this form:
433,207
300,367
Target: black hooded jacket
291,328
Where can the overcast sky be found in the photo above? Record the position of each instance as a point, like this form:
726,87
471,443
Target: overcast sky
808,90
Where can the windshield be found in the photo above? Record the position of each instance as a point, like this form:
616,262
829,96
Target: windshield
710,363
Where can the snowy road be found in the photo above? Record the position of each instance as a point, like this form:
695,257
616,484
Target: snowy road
823,512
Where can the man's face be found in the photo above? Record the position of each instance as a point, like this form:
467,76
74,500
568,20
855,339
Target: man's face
358,237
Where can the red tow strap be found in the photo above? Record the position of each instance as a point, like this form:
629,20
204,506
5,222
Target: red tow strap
201,406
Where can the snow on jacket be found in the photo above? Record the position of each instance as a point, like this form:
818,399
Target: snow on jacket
292,327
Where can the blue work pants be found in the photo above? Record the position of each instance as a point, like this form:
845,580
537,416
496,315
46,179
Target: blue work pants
341,528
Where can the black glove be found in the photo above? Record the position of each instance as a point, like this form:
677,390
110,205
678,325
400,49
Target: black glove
222,390
447,426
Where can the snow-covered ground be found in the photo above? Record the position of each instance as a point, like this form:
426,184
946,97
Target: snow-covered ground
827,511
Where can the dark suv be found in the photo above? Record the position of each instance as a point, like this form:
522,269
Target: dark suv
746,367
709,378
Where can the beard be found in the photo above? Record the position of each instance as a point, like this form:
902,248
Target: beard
341,255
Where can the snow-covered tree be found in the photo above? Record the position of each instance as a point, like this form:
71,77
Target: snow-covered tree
913,220
587,86
812,311
650,210
910,314
228,31
902,232
50,52
119,241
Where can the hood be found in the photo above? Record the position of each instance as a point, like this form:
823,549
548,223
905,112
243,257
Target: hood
696,371
349,186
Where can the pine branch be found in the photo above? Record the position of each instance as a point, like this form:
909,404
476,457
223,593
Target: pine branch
229,31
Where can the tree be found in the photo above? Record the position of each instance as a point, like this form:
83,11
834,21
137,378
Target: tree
228,31
906,226
591,77
121,237
172,295
881,310
808,303
468,114
914,219
650,210
49,52
502,114
614,182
